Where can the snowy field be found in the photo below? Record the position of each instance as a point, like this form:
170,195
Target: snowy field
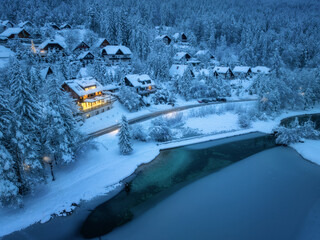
100,167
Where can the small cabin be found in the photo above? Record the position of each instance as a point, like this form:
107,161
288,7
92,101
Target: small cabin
82,46
142,83
165,38
86,58
115,54
50,46
65,26
204,56
224,72
242,71
90,96
181,57
11,33
180,37
178,70
101,43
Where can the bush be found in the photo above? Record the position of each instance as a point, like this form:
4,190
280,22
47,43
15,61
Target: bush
138,133
163,96
190,132
244,120
130,99
160,133
171,120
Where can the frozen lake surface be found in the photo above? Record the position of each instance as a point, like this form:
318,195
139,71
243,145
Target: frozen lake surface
272,195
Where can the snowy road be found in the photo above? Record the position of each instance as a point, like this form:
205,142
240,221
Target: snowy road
159,113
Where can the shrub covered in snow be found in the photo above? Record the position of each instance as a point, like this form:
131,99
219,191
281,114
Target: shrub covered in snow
129,98
244,120
170,120
138,133
296,133
160,133
163,96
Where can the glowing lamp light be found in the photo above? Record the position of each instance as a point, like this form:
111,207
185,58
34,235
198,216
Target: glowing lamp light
47,159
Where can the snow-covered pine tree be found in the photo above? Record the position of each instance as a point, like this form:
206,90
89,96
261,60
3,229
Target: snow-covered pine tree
25,142
124,143
9,185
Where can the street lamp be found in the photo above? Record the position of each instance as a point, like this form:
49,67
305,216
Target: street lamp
48,160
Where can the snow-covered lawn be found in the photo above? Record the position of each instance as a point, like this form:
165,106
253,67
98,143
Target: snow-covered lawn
310,150
99,168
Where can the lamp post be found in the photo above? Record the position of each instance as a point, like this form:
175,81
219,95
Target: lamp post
48,160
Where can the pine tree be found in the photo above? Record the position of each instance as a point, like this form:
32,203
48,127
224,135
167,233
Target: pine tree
125,137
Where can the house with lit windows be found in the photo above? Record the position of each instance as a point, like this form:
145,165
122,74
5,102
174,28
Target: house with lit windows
142,83
90,96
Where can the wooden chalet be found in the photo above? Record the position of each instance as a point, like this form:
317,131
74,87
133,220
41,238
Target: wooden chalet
180,37
82,46
18,33
181,57
101,43
90,96
165,38
65,26
224,72
86,58
178,70
242,71
115,54
205,55
142,83
50,46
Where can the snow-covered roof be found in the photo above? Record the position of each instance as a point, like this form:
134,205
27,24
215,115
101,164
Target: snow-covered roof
78,86
221,70
79,44
65,25
140,80
160,37
22,24
113,49
204,71
44,72
8,32
176,36
178,70
99,42
241,69
261,69
6,22
52,41
203,53
5,52
83,55
180,55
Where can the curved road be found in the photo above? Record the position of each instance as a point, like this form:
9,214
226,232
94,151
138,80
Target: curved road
158,113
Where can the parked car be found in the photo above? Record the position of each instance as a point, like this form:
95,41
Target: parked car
221,99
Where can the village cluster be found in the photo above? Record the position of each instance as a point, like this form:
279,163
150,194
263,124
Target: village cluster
92,96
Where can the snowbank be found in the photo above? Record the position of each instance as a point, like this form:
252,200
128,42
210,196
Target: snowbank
310,150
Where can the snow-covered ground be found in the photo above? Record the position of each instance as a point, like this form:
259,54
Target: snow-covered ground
99,167
310,150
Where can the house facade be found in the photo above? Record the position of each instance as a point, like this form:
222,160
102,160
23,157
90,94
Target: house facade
101,43
86,58
18,33
50,46
165,38
224,72
116,54
90,96
242,71
142,83
82,46
181,57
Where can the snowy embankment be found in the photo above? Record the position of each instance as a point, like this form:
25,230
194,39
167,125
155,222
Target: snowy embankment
100,167
309,149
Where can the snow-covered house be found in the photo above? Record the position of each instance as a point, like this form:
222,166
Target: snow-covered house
5,54
142,83
65,26
180,37
224,71
50,45
165,38
15,33
54,26
46,72
261,70
116,54
90,96
204,54
181,57
82,46
101,43
86,57
5,24
242,71
25,24
204,72
178,70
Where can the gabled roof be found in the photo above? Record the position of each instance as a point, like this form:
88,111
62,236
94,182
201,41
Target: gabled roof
22,24
203,53
99,42
8,32
178,70
139,80
45,72
179,55
222,70
6,22
78,86
241,69
51,41
113,49
261,69
161,37
65,25
84,54
78,45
